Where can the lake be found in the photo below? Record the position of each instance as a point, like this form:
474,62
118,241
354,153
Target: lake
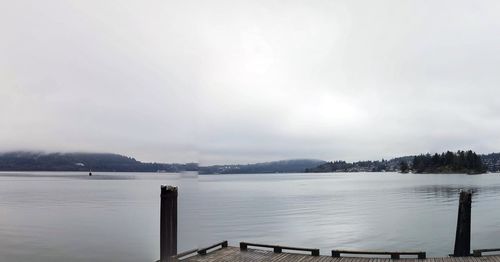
65,216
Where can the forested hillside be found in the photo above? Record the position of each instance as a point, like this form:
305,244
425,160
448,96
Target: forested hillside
33,161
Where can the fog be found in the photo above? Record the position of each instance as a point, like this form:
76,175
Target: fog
248,81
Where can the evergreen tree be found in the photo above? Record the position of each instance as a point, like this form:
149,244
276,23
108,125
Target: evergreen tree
403,167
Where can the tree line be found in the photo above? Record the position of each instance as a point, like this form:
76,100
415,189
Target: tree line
36,161
448,162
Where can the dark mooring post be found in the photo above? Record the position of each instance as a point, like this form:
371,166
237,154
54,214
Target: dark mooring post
462,238
168,223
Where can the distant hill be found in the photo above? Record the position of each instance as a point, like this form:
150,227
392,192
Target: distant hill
37,161
107,162
283,166
360,166
491,161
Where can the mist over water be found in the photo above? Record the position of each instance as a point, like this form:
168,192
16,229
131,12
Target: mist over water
68,216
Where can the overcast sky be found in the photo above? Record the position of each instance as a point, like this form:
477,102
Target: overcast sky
246,81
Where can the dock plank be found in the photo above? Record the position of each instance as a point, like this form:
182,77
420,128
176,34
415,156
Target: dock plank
234,254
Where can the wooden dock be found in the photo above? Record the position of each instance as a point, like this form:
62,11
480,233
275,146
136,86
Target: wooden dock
222,253
251,252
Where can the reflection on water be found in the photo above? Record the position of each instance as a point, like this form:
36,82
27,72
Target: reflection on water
451,192
65,216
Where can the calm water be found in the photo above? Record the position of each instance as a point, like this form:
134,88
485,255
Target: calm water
115,217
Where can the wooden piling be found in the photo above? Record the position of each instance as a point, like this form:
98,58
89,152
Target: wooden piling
462,237
168,223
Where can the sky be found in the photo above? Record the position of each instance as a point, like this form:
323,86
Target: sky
221,82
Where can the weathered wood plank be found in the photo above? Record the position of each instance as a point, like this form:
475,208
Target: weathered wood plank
168,223
462,238
393,254
233,254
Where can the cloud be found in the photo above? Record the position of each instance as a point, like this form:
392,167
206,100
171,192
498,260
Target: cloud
245,81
